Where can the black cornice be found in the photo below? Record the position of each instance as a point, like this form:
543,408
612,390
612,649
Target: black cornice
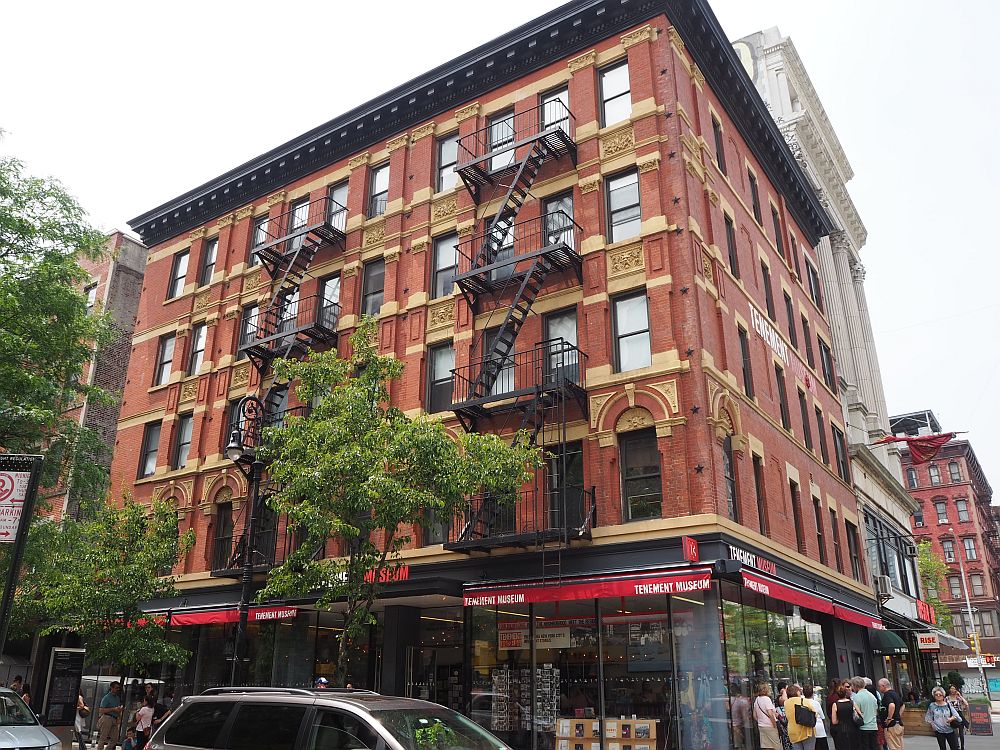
712,52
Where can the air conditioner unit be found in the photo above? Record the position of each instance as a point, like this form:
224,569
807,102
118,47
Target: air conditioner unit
883,587
909,549
919,524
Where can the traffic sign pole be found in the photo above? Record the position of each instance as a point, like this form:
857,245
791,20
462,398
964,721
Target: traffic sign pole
13,493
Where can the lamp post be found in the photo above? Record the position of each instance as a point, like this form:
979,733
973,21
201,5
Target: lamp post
972,622
242,451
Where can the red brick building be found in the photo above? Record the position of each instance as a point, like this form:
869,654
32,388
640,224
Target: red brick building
590,227
957,517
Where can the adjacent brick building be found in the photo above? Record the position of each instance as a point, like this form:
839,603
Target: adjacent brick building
591,226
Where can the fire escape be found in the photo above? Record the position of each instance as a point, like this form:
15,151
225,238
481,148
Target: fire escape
540,388
287,327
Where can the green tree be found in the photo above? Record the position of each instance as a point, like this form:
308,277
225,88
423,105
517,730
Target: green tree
932,570
46,335
359,470
90,577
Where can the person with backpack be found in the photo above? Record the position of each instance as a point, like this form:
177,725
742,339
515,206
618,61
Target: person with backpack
801,719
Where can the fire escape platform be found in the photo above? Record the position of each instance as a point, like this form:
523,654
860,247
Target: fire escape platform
476,171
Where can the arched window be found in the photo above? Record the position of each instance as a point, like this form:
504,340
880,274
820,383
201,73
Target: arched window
729,476
935,474
954,473
223,548
911,478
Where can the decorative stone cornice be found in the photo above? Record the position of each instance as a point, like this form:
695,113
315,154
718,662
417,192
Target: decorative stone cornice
394,144
441,315
374,234
197,234
697,76
583,61
391,255
625,260
444,208
358,161
469,110
419,245
225,221
648,163
350,269
422,132
675,38
590,184
244,213
277,198
618,142
645,34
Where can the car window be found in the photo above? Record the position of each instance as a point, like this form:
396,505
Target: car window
14,712
336,730
436,728
198,724
266,726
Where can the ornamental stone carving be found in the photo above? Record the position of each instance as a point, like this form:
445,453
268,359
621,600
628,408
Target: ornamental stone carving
626,260
358,161
422,132
697,76
470,110
197,234
397,143
632,419
669,390
590,184
618,142
244,213
202,300
583,61
596,404
445,208
441,316
418,246
189,391
649,163
675,38
707,267
391,255
224,495
241,375
374,234
252,280
351,269
277,198
645,34
467,230
858,273
225,221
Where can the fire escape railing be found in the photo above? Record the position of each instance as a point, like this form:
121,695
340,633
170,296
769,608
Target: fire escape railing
278,330
551,120
324,220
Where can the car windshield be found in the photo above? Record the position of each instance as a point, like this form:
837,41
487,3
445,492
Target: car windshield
14,712
436,728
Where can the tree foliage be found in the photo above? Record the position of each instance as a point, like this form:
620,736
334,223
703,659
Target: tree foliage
46,335
90,577
359,470
932,570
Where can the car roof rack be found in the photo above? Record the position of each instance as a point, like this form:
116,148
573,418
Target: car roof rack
288,690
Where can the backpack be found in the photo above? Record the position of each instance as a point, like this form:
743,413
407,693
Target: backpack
804,716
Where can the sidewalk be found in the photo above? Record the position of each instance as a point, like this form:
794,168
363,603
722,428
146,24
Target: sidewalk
971,742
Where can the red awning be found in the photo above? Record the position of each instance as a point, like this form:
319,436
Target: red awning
858,618
770,587
639,584
232,614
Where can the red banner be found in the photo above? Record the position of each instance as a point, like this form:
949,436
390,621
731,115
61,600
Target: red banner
680,582
858,618
922,448
775,590
216,616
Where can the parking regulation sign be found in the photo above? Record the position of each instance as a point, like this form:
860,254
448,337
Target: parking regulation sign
13,491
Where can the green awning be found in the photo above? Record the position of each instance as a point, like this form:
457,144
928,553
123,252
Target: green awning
887,643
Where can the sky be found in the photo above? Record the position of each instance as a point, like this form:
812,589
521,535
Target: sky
130,106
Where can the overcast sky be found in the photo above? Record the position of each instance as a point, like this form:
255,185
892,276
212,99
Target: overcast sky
131,104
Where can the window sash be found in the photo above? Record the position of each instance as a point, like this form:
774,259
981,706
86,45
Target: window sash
747,362
555,110
779,378
632,335
150,449
820,531
778,240
765,274
824,451
734,260
642,489
501,136
720,146
754,196
259,237
962,506
624,207
790,312
178,274
970,549
729,476
445,265
373,287
378,192
338,207
447,158
208,262
806,428
197,356
760,490
835,534
954,473
616,94
165,359
978,589
935,474
441,380
807,342
562,362
182,450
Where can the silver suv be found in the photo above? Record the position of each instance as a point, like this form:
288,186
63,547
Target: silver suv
294,719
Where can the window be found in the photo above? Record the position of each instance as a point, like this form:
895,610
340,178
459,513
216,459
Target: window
198,335
963,510
447,158
720,145
373,287
182,440
970,548
765,280
955,587
838,555
815,289
338,206
641,485
911,478
150,449
754,196
378,190
164,359
559,220
445,265
935,474
178,274
266,726
729,475
199,725
441,361
954,474
616,98
503,265
734,260
248,328
776,223
504,366
632,341
824,452
564,359
807,342
288,312
986,629
820,536
779,377
840,451
948,549
223,548
338,730
624,213
208,261
852,550
747,362
826,365
790,313
918,517
793,248
298,219
759,490
807,434
258,239
978,589
90,292
800,539
555,110
501,138
329,313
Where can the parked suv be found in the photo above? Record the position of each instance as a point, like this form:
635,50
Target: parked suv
294,719
19,727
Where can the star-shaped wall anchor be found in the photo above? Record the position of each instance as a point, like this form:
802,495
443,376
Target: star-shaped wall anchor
671,154
684,290
679,230
695,409
699,469
690,351
677,199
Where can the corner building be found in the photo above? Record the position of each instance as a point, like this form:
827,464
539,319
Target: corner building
580,228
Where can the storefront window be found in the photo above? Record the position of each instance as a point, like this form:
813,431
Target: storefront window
435,666
702,694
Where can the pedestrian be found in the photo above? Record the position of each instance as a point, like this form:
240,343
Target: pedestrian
766,717
961,705
831,694
18,684
802,719
80,722
782,694
26,694
144,721
943,718
130,741
867,706
109,716
809,693
846,735
322,683
891,715
160,712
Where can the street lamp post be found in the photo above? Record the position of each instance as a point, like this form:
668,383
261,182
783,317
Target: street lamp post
242,450
972,622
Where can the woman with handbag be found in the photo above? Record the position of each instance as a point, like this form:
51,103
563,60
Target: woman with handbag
944,719
765,714
846,735
801,719
80,723
961,705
